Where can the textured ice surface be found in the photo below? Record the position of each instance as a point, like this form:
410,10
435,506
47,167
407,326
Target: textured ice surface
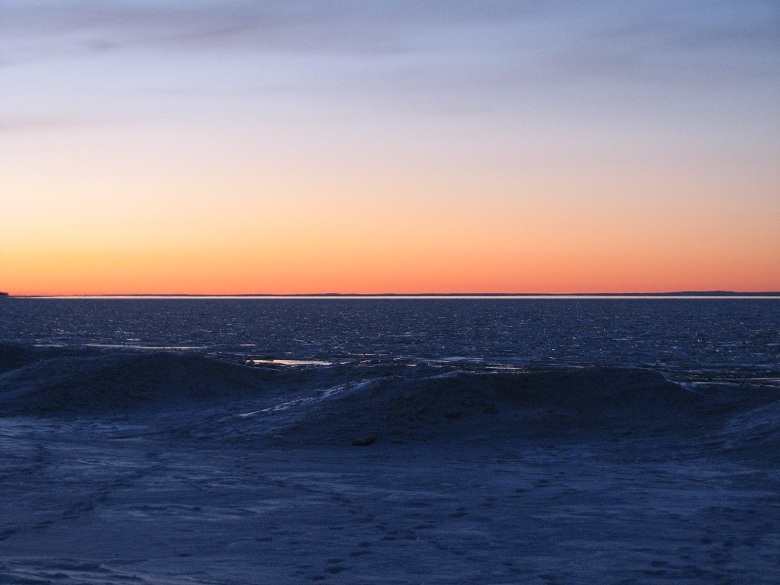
119,504
729,337
213,441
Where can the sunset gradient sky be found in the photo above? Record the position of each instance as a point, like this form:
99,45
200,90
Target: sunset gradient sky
369,146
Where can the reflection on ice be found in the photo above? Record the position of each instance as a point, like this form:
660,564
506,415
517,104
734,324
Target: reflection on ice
136,346
255,362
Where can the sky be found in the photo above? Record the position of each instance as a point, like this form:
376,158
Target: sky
374,146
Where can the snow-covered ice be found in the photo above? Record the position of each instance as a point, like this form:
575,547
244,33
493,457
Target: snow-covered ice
296,465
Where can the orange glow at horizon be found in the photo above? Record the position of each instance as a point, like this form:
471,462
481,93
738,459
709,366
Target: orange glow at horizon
462,253
567,238
424,234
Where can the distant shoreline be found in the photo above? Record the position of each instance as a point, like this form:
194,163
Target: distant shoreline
680,294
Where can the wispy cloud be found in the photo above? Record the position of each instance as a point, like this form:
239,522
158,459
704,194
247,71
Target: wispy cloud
462,49
42,28
15,124
611,38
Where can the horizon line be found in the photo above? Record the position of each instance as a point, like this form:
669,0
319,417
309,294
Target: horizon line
396,294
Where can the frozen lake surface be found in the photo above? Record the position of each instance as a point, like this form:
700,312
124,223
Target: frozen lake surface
390,441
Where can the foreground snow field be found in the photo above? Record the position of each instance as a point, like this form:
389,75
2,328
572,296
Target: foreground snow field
113,502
